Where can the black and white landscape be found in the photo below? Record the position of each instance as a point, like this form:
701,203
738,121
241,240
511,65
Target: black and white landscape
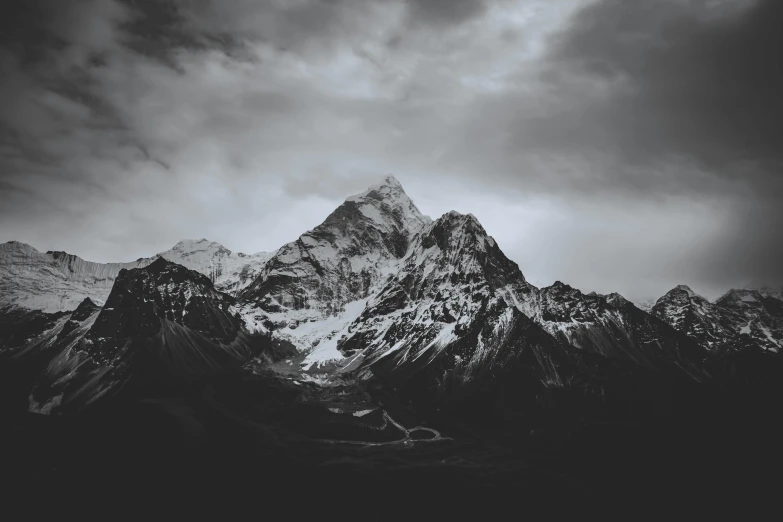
385,363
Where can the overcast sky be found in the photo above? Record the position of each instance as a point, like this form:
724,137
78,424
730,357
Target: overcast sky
614,145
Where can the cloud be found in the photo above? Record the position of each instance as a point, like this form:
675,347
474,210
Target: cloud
445,12
126,125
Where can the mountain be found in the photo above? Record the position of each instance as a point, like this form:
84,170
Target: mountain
162,323
376,289
57,281
737,320
692,315
230,271
453,282
339,262
612,327
381,353
377,281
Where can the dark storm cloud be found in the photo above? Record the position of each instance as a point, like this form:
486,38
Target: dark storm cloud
654,97
647,128
693,107
696,80
445,12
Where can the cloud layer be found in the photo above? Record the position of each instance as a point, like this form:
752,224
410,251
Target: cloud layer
613,145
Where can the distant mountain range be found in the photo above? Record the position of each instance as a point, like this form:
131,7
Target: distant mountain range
378,291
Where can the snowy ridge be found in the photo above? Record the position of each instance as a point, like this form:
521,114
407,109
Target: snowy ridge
57,281
609,326
53,281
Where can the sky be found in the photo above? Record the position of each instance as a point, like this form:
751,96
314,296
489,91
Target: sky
612,145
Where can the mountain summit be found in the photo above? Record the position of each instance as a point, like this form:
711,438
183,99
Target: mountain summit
340,260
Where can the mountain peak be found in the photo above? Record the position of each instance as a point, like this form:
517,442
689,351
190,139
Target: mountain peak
18,246
158,265
385,198
685,288
389,186
391,181
188,244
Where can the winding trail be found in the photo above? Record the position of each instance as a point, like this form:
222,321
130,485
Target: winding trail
405,440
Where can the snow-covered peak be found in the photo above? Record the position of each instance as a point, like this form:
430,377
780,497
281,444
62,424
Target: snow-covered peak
190,247
736,295
686,289
388,197
388,186
615,299
682,293
691,314
459,219
230,271
17,246
340,261
463,238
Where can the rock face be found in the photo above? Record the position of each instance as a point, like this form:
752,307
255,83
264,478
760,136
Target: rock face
339,261
57,281
737,320
147,302
450,285
53,281
162,320
755,316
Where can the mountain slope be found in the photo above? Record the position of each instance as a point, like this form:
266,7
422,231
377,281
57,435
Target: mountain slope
162,323
612,327
451,282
